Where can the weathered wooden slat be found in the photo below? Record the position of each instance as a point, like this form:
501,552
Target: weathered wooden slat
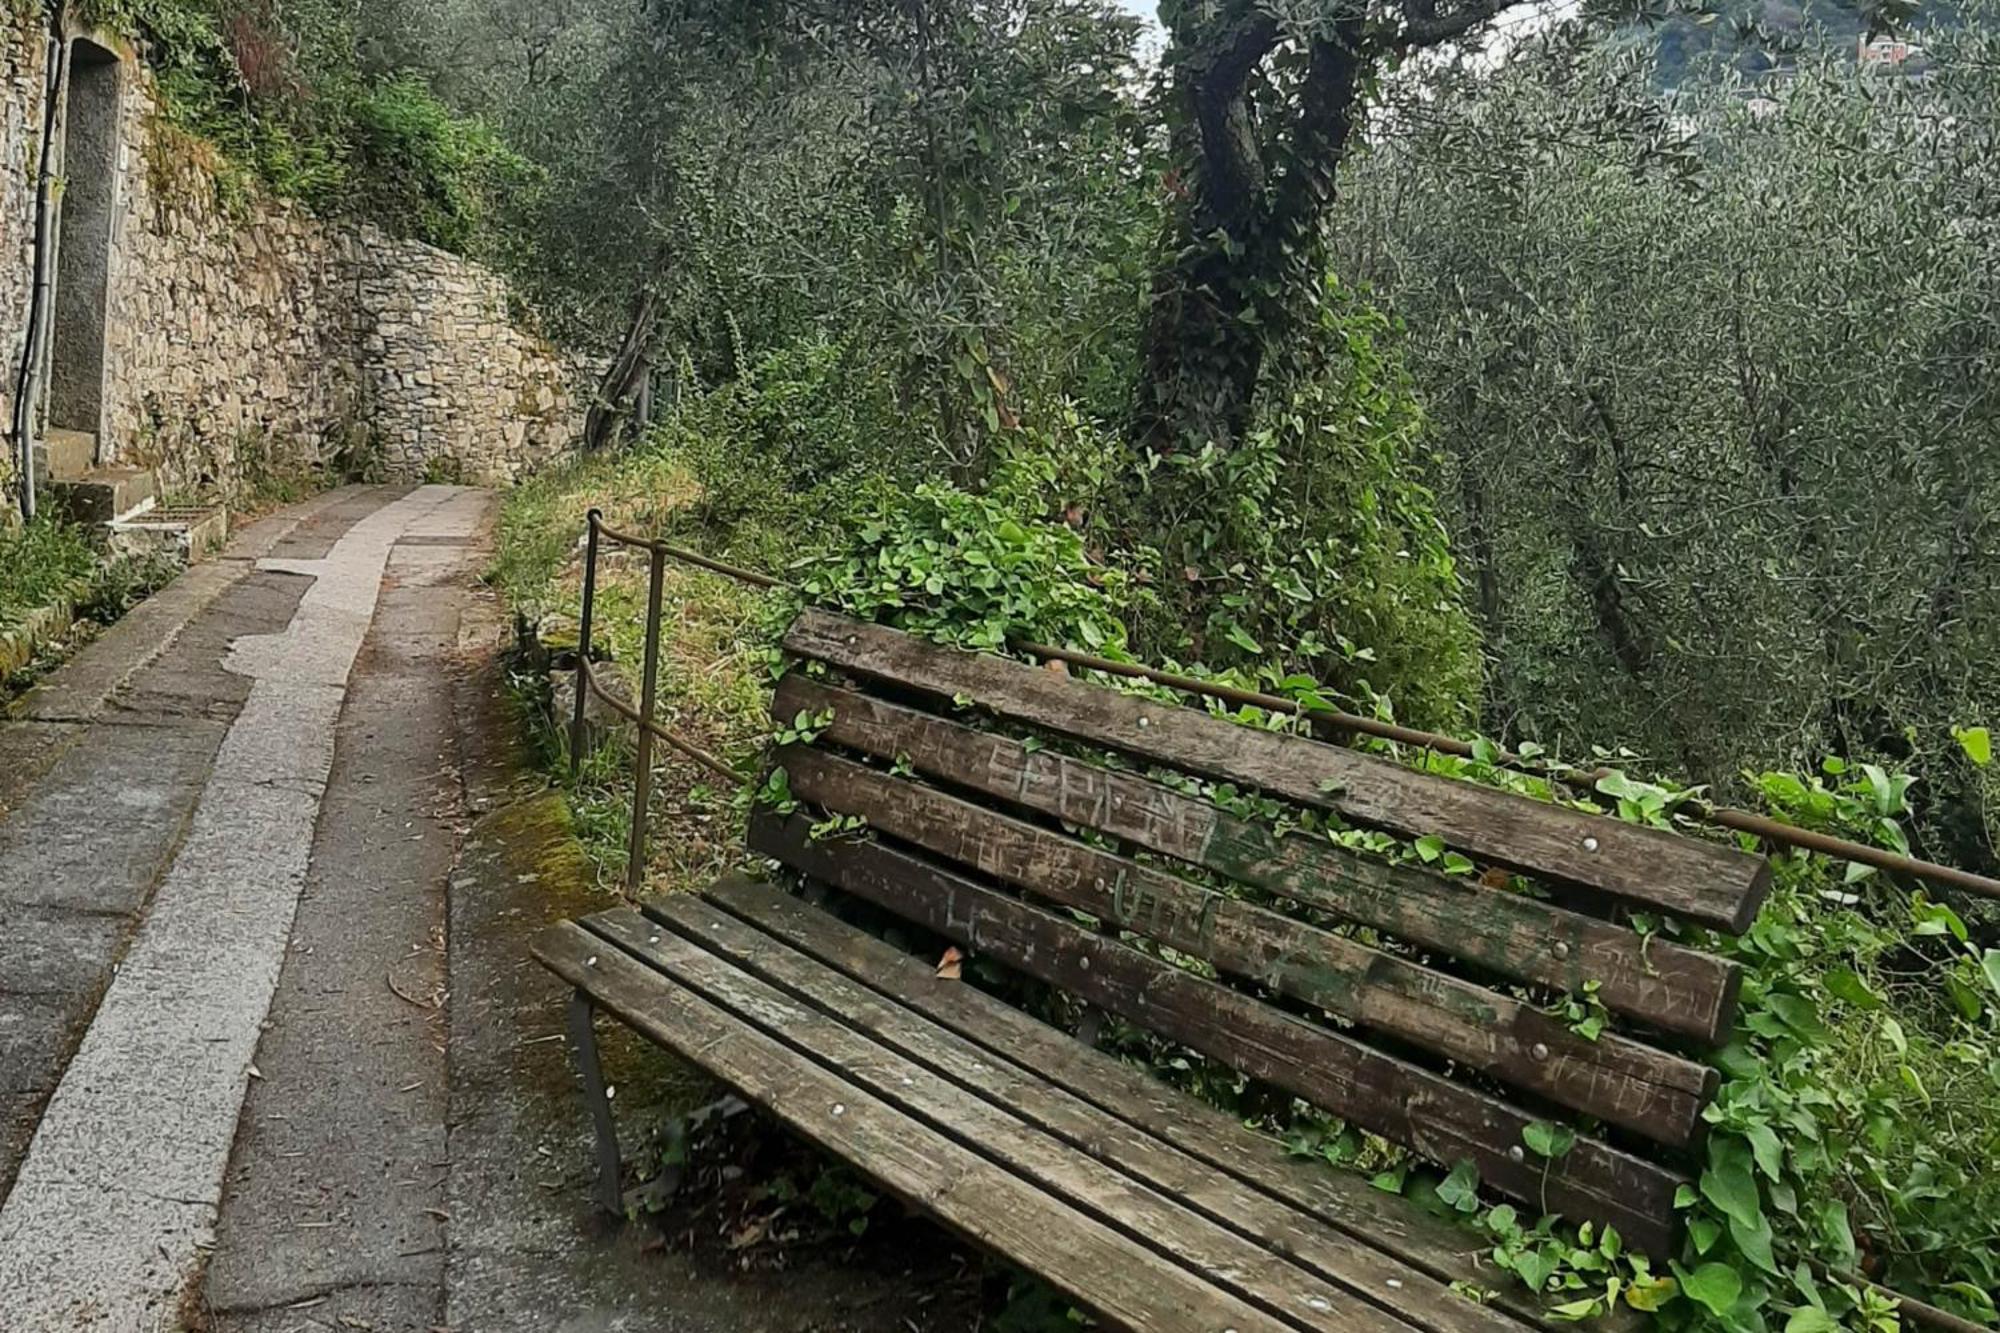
1672,987
1340,1199
1097,1267
1648,1091
1442,1120
1701,881
1250,1271
1360,1268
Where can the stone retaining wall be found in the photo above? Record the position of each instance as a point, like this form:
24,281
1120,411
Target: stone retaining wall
253,338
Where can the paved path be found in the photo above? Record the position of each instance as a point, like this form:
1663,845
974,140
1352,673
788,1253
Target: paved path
269,864
115,1202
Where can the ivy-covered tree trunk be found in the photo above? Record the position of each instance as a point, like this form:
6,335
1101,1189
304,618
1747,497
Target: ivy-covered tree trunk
1262,116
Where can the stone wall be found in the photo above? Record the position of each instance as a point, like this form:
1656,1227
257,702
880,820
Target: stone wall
252,338
229,357
453,383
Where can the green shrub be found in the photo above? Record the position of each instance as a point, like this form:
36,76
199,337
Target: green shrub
302,122
969,570
42,562
780,451
433,171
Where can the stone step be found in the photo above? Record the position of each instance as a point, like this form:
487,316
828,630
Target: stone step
190,535
64,455
104,494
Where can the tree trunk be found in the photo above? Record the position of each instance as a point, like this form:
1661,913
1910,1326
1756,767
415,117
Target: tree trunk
1243,243
628,371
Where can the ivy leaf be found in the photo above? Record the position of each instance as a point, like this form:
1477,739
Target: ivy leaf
1650,1293
1715,1286
1798,1013
1764,1144
1460,1189
1847,984
1990,965
1550,1141
1892,1031
1239,636
1569,1312
1836,1233
1535,1267
1754,1240
1977,742
1430,847
1806,1319
1733,1190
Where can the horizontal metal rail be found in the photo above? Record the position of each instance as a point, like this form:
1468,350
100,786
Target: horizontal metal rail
687,747
683,555
1328,720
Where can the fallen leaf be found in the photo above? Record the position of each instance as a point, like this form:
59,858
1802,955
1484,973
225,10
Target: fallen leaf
948,966
750,1235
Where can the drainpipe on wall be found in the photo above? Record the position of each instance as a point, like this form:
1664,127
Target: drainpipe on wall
28,384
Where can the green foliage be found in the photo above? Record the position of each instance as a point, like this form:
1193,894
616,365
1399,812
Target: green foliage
1856,1117
1314,544
437,173
777,449
125,581
963,569
1712,395
277,90
40,563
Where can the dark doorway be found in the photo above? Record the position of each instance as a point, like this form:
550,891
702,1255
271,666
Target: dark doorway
83,247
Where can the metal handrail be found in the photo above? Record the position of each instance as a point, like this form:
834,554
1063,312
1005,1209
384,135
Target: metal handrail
642,717
1324,721
721,767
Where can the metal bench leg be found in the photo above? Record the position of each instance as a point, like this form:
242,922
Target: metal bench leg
583,1038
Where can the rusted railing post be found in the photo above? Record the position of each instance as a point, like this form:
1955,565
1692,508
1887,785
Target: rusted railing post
642,764
583,647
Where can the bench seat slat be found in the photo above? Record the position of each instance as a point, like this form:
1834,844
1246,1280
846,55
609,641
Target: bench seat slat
1002,1079
1291,1296
1704,882
1339,1199
1674,988
1442,1120
1096,1266
1649,1091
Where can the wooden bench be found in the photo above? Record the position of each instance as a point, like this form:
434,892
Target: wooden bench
1397,998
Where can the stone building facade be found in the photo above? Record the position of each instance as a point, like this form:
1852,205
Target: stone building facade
208,340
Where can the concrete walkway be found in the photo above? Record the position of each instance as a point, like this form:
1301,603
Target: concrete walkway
115,1202
273,1055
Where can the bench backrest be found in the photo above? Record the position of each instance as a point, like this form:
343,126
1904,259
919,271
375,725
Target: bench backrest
1409,1002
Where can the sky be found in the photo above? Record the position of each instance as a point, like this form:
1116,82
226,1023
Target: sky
1145,9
